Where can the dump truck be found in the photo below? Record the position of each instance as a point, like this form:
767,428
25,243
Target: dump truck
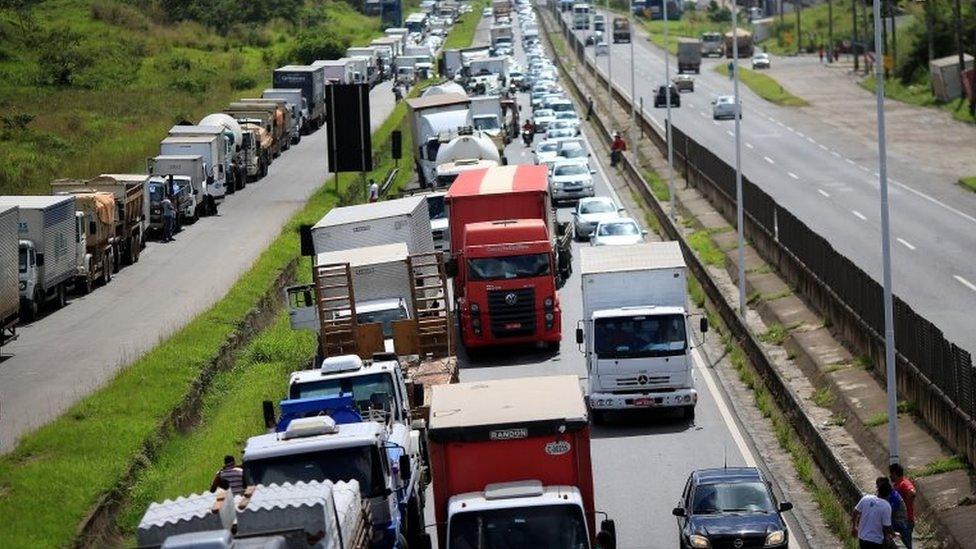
96,215
132,210
283,115
745,43
689,55
621,30
276,123
9,263
49,231
298,108
311,80
261,122
481,492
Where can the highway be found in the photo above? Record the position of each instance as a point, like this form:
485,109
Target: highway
641,462
827,177
69,353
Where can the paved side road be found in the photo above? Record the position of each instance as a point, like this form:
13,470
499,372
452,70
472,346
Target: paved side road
70,353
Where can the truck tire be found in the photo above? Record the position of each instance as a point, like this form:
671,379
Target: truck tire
83,286
30,312
134,250
688,412
599,417
106,269
62,297
116,256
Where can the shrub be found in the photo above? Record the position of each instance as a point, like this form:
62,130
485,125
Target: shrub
243,82
318,43
61,57
118,14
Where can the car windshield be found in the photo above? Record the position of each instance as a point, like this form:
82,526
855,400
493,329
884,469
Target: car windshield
733,497
570,169
597,206
566,115
435,207
22,256
573,151
505,268
486,122
562,107
560,132
361,463
544,113
640,336
618,229
539,527
548,147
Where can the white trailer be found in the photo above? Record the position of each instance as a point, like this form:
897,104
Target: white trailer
192,166
401,220
9,262
47,248
297,107
434,120
211,149
634,328
225,143
337,71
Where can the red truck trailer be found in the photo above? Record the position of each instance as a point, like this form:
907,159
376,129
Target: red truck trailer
511,459
507,264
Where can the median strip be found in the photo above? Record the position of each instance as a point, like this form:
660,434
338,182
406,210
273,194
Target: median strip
765,86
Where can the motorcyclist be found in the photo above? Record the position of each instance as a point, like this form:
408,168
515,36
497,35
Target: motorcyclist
528,132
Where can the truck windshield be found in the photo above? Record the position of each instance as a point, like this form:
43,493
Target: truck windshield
385,317
365,389
505,268
361,463
543,527
488,122
435,206
155,193
640,336
23,260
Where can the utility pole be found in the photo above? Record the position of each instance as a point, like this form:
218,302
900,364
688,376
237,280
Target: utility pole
667,103
882,49
830,30
930,27
633,80
889,328
854,33
782,15
609,73
894,34
958,18
740,227
799,33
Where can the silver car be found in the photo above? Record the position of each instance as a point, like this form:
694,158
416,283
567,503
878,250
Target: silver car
591,211
617,232
724,107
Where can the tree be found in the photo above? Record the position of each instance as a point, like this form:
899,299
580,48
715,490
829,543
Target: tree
318,43
61,57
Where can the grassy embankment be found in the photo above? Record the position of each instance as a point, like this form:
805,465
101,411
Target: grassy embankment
968,183
920,94
764,86
88,87
462,34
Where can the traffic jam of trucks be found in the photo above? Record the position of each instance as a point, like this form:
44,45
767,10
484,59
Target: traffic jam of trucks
473,256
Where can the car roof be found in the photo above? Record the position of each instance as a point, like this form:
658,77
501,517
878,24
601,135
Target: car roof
726,474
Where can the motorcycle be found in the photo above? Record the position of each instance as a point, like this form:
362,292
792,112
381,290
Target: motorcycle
528,136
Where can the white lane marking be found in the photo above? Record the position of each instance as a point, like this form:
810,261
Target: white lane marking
849,161
768,159
835,153
793,175
934,201
905,243
864,168
791,129
715,122
823,192
749,145
812,140
822,146
965,282
859,215
730,133
782,125
876,174
702,113
800,134
771,119
723,409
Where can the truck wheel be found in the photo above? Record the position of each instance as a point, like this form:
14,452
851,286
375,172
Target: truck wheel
31,311
84,287
688,412
107,270
134,250
598,416
62,297
116,256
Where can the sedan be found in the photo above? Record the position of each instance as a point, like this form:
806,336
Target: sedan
570,180
760,61
617,232
590,212
730,507
684,82
724,107
546,150
542,118
559,133
661,99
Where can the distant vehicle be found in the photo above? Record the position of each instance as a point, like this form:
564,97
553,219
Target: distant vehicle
591,211
621,30
745,43
617,232
712,43
486,12
755,13
689,55
661,100
734,505
570,180
761,61
724,107
11,262
684,82
545,150
601,49
581,16
599,22
593,38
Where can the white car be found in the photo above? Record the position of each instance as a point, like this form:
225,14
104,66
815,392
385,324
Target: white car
591,211
542,118
569,119
545,150
761,61
617,232
570,180
573,150
486,12
724,107
560,104
559,133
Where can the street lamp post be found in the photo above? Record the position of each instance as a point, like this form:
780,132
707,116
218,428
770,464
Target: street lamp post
633,84
667,103
889,330
739,217
609,57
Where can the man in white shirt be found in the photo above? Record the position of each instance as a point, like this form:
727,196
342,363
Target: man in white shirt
872,519
374,191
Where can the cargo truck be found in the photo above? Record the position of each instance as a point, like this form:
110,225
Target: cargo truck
224,138
634,329
131,210
273,118
401,220
434,120
309,79
501,35
47,247
284,115
194,167
581,16
745,43
96,238
179,190
712,43
325,515
501,9
211,151
10,263
506,257
297,107
513,456
244,147
337,71
621,30
689,55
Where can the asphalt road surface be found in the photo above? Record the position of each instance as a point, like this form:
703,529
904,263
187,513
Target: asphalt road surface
828,179
69,353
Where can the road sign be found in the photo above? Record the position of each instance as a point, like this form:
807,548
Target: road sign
889,62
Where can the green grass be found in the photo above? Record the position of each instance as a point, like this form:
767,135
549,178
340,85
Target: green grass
939,466
658,185
141,74
764,86
920,94
877,420
776,334
707,251
462,33
691,25
968,182
823,397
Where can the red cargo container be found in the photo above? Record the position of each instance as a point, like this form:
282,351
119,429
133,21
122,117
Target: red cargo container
513,451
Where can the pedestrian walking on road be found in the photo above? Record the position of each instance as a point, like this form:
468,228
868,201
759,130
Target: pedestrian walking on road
589,107
899,514
871,521
229,475
820,51
169,218
906,489
617,149
397,94
374,191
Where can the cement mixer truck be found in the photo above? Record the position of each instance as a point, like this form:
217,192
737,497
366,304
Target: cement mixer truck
243,143
471,150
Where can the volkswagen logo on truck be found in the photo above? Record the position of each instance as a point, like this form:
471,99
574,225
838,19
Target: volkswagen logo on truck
557,448
511,299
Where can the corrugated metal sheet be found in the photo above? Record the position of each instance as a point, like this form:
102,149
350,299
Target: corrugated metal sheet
184,515
403,220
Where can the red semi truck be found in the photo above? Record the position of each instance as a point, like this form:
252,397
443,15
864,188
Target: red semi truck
507,263
510,462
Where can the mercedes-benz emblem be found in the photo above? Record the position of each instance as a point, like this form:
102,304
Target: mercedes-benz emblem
642,379
511,299
737,543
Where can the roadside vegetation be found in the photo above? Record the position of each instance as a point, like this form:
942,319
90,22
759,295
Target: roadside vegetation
764,86
88,87
462,33
968,183
691,25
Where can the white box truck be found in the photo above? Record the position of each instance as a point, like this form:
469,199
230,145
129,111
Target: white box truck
211,148
634,328
193,167
401,220
434,120
337,71
10,262
47,248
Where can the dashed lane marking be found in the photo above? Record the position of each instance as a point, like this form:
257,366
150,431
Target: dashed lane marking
906,243
859,215
770,160
965,282
749,145
793,175
823,192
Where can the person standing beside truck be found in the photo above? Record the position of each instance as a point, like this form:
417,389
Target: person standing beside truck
231,475
374,191
169,218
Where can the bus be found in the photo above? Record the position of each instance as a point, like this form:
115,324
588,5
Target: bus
416,23
581,16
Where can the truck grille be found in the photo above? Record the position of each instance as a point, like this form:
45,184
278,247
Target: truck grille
728,542
512,312
643,381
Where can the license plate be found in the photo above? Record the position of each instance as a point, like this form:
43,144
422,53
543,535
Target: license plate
513,326
643,402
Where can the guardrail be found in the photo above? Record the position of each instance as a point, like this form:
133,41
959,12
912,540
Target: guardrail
935,374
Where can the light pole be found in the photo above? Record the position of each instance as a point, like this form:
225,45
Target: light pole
739,222
891,381
633,84
667,103
609,57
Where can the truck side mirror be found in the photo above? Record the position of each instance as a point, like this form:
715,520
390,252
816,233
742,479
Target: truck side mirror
405,467
579,336
267,408
678,511
417,394
703,324
40,260
607,536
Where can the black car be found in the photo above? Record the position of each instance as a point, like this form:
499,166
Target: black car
660,100
730,508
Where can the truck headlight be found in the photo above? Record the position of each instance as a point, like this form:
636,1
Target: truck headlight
23,285
699,542
547,303
549,317
475,309
775,538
